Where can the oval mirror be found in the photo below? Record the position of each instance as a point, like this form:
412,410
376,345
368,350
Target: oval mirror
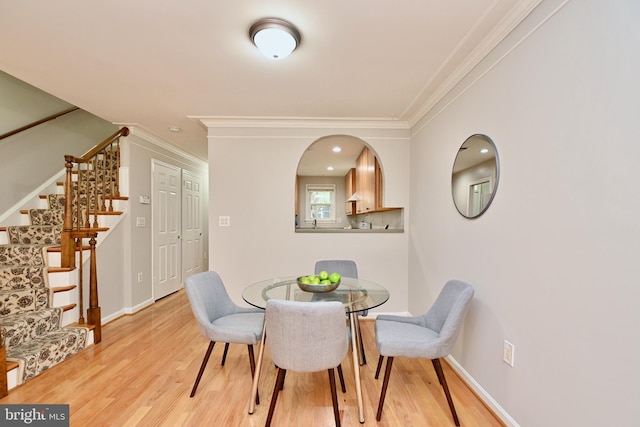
475,176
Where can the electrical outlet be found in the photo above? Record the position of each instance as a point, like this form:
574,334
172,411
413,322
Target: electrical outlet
508,353
140,277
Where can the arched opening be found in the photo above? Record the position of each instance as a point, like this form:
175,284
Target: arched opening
339,186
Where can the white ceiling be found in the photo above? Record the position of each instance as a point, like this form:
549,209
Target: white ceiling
158,64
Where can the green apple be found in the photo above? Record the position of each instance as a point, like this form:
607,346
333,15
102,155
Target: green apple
315,280
334,277
305,280
323,275
325,282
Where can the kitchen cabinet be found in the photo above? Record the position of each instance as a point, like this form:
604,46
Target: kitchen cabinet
349,189
368,182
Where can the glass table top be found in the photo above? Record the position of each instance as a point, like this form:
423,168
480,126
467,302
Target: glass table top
354,294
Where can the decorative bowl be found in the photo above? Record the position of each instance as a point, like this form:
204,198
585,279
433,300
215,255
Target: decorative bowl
317,288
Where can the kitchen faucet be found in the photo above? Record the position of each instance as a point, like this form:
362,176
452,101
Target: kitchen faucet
315,223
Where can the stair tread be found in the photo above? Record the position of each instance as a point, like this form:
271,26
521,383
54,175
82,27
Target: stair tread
60,269
63,288
106,213
68,307
59,249
97,229
93,197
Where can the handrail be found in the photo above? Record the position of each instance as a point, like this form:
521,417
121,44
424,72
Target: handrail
104,144
36,123
90,187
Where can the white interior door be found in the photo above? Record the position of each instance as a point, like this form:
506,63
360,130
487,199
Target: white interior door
191,224
167,248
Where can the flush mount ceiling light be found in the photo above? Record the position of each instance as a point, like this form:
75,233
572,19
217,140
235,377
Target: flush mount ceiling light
275,38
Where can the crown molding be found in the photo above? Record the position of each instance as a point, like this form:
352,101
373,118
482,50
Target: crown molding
300,122
517,14
136,130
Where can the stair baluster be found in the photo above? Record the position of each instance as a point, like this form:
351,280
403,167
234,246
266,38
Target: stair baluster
86,196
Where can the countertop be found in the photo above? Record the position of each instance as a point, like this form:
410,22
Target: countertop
349,230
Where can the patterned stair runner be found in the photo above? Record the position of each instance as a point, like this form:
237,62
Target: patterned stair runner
32,330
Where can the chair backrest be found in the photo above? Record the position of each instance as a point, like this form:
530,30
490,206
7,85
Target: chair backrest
448,311
346,268
208,297
306,336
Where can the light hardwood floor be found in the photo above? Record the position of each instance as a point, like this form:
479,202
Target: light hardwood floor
142,372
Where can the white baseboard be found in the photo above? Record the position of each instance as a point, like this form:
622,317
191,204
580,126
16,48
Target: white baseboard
482,393
471,383
128,310
373,315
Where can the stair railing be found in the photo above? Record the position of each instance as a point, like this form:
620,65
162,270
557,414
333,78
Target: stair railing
91,193
38,122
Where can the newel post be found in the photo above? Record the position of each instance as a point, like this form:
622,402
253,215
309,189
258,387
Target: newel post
67,243
93,313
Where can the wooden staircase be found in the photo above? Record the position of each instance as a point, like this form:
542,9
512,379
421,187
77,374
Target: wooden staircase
67,226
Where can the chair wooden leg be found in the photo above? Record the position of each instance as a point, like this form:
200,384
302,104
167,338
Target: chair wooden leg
437,371
440,373
385,383
380,359
202,366
334,397
344,389
252,365
224,354
274,397
360,342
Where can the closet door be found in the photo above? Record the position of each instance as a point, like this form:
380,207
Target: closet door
192,230
167,245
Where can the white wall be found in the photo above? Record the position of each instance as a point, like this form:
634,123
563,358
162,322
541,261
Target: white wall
252,171
140,150
554,259
41,150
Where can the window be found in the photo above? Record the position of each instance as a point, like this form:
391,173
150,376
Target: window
321,203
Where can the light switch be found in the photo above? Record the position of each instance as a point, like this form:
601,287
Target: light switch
224,221
141,221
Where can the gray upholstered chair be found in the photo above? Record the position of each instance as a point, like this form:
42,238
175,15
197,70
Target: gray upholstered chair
430,336
220,319
305,337
346,268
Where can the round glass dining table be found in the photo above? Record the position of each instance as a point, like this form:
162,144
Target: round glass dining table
355,295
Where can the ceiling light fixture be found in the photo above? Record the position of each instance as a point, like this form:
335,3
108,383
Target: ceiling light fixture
275,38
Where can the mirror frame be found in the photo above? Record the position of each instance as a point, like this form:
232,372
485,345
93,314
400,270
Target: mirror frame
485,141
